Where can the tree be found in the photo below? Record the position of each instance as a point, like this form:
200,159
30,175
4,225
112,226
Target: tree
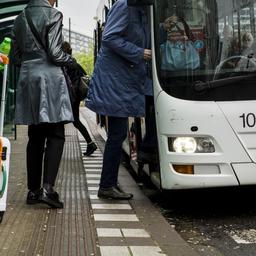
86,59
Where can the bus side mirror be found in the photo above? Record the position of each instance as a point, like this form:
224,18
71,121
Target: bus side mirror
140,2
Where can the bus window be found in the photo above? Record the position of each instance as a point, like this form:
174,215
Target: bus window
221,42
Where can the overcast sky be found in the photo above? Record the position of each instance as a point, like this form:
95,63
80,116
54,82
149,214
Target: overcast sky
81,13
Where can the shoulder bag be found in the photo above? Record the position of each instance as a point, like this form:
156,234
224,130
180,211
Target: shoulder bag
39,40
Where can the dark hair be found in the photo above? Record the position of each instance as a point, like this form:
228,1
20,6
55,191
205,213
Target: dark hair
66,47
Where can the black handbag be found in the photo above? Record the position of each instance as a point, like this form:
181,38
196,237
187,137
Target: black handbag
71,89
83,87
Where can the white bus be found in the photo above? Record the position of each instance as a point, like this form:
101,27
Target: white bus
204,85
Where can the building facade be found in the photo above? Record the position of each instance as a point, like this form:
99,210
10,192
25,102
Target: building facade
78,41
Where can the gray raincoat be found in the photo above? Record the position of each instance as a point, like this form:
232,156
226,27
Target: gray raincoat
42,93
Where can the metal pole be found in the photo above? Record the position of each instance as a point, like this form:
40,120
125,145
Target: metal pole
69,31
3,100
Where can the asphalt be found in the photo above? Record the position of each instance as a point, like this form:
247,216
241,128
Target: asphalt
87,225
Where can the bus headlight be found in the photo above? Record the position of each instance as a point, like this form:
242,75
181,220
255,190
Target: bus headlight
205,145
191,145
184,145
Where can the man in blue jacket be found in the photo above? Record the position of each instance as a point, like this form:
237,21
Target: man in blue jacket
118,85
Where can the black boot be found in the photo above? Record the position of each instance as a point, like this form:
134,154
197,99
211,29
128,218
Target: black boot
114,193
91,147
50,197
33,196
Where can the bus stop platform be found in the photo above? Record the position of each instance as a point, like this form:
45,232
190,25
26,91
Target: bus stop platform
87,225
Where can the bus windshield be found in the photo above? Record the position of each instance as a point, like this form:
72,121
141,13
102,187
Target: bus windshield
206,49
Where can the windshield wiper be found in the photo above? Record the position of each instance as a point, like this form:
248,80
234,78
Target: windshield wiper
200,86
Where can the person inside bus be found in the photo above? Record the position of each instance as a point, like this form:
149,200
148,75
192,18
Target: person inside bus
42,98
75,73
166,27
248,61
247,44
117,87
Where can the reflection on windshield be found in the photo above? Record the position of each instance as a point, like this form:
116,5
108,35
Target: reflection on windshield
205,40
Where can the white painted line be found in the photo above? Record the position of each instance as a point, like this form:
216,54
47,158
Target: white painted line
134,232
93,158
93,170
124,232
93,188
99,160
93,182
92,197
93,175
146,251
89,163
95,154
111,206
114,251
109,232
92,166
93,162
115,217
239,240
245,236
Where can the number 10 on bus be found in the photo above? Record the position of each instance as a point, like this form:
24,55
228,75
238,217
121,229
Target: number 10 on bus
249,120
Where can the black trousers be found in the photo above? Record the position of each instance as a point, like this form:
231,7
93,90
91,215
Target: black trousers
44,152
78,124
117,132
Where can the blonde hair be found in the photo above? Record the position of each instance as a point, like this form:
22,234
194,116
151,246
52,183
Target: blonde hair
247,36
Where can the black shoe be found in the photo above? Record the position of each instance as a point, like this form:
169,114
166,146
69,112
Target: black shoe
117,186
147,157
113,193
33,197
91,147
51,198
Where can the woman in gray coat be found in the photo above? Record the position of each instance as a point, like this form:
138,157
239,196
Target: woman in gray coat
42,100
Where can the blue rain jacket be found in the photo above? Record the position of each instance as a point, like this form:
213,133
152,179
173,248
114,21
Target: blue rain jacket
118,85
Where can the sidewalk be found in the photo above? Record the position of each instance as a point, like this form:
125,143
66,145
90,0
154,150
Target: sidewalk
37,230
86,225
